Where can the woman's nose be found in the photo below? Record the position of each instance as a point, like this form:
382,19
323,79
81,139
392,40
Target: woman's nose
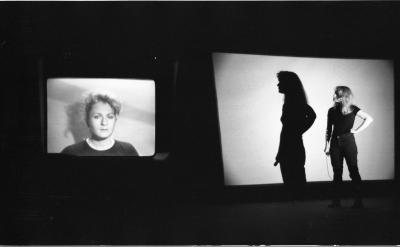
104,121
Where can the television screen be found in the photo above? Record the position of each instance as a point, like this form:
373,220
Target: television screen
101,116
250,109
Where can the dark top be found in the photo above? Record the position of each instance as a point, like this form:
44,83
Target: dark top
342,124
295,121
83,149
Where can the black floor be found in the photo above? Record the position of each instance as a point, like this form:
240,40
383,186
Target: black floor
66,221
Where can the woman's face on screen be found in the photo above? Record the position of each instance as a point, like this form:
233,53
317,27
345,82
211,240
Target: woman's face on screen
101,121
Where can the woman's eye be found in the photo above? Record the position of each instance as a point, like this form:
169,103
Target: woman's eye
96,117
110,116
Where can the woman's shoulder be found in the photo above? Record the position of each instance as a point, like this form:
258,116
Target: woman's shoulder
123,144
332,110
75,148
354,107
126,147
291,107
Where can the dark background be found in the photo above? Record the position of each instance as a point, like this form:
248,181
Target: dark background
121,39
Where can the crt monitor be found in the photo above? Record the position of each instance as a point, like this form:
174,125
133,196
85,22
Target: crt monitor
100,116
105,105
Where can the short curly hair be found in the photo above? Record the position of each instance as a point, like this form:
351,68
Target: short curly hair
94,98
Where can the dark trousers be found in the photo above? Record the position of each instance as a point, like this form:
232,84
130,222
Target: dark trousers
292,169
344,147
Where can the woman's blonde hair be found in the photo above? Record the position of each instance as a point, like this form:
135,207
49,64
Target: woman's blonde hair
342,98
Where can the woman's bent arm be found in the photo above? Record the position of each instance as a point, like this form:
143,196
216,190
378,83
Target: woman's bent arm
367,120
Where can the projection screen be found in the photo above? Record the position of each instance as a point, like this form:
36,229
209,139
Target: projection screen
250,107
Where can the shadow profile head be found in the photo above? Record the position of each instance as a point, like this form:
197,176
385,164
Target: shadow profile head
76,124
291,86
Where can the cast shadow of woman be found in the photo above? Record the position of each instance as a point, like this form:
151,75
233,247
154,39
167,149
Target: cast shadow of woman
297,117
76,124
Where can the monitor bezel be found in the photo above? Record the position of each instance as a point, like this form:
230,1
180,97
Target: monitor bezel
151,68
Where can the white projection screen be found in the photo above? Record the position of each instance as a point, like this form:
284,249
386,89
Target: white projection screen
65,111
250,106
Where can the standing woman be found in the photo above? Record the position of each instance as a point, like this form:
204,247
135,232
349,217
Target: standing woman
342,143
297,117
